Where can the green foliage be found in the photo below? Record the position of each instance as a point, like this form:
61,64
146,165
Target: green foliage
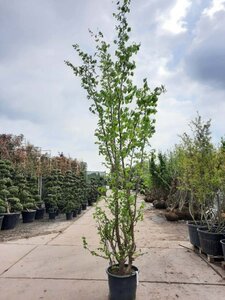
24,193
125,124
200,171
3,206
68,199
8,192
53,190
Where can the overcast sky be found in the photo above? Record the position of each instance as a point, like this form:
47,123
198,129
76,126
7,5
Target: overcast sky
182,47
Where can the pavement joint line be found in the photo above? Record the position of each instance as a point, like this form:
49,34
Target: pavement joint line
105,280
19,260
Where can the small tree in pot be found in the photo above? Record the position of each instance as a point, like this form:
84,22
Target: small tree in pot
67,195
26,198
125,125
10,204
53,192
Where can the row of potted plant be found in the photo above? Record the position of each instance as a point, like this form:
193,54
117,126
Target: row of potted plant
67,193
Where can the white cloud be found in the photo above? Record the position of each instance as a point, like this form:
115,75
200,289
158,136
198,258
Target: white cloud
173,21
217,5
41,98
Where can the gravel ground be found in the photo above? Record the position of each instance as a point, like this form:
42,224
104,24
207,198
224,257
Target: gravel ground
38,227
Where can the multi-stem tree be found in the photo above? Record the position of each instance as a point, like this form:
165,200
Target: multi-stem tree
125,124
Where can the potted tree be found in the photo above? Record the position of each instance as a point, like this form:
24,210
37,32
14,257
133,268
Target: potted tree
125,124
53,193
67,195
83,191
10,206
32,184
25,196
200,178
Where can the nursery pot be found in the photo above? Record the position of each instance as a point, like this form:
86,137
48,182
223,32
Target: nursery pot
79,210
1,220
28,216
75,213
90,202
10,220
122,287
223,247
84,206
51,215
69,215
39,214
193,234
210,242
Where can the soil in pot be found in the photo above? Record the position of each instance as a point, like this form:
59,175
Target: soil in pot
39,214
28,216
69,216
210,242
122,287
1,220
10,221
193,233
223,247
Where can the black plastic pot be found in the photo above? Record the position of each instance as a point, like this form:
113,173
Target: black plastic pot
39,214
84,206
122,287
28,216
90,202
79,210
1,220
193,234
74,213
51,215
223,247
10,220
210,242
69,216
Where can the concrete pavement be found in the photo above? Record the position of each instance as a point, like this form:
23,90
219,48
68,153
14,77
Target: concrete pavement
56,266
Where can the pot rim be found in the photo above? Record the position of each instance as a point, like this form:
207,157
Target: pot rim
193,223
222,241
134,273
209,232
10,214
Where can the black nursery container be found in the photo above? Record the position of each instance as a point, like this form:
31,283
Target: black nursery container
10,221
223,247
122,287
84,206
193,233
28,216
210,242
39,214
69,216
1,220
51,215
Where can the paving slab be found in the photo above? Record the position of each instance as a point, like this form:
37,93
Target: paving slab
36,240
98,290
10,254
49,261
175,265
56,266
73,235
